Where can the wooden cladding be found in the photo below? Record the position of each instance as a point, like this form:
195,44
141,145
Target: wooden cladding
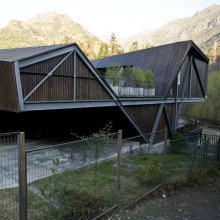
145,116
60,85
8,88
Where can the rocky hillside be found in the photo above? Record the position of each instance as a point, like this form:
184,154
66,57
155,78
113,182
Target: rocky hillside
203,28
53,28
46,29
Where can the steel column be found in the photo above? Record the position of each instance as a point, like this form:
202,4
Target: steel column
156,123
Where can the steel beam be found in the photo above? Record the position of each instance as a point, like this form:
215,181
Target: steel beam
45,56
199,79
74,76
156,123
167,119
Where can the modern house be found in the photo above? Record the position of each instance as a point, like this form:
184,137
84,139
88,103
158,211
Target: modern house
57,87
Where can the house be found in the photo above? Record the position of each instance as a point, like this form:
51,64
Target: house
57,87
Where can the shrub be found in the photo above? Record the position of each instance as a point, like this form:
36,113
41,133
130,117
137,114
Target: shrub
151,171
75,204
178,143
114,74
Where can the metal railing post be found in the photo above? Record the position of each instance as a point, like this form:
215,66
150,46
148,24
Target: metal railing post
164,155
22,177
119,166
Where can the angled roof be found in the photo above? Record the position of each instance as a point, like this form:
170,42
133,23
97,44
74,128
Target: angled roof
11,55
165,61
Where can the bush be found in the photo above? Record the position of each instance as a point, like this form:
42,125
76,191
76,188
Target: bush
151,171
178,143
75,204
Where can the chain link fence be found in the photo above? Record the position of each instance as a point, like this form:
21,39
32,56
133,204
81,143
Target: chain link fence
142,166
73,180
87,178
9,193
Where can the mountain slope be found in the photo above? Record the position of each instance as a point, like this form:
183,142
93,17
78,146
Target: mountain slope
203,28
46,29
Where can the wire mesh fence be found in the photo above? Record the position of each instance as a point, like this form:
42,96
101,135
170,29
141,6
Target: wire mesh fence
190,153
86,178
9,194
142,167
72,180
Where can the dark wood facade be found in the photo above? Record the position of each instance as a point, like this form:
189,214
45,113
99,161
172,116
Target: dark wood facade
8,89
61,77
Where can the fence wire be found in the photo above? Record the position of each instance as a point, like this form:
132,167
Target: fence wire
86,178
72,180
142,166
9,202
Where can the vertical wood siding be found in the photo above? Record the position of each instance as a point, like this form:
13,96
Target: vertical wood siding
87,87
60,86
144,116
8,88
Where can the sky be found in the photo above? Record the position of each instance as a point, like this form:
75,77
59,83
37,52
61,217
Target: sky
104,17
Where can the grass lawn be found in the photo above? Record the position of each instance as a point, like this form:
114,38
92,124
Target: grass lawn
92,190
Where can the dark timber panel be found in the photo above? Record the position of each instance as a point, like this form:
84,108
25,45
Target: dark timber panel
144,116
169,108
202,70
196,89
8,88
87,86
43,67
57,87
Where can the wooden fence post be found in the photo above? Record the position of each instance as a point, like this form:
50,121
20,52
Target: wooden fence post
119,152
22,177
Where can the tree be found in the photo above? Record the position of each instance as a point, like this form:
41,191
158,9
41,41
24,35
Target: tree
134,46
209,110
114,74
103,50
115,48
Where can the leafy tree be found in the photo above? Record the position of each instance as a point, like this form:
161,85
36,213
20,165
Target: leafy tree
103,51
138,75
141,76
134,46
115,48
114,73
209,110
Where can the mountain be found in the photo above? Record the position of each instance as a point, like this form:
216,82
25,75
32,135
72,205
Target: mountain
46,29
203,28
53,28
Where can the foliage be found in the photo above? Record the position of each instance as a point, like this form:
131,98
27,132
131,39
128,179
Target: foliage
103,51
78,204
134,46
141,76
209,110
114,73
151,171
99,140
178,142
137,75
115,48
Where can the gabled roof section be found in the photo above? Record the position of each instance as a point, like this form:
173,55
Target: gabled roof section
165,61
17,54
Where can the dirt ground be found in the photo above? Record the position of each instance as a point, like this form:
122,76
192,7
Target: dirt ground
200,203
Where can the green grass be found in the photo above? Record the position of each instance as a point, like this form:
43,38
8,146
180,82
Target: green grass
98,183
